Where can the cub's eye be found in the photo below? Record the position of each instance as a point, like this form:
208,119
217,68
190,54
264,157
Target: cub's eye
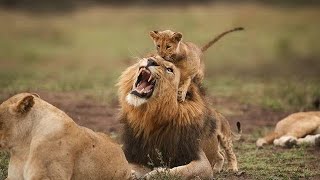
169,70
158,46
168,46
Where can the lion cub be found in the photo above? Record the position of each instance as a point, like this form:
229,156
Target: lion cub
185,55
225,138
45,143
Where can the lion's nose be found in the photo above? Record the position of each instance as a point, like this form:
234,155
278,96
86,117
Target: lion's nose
152,62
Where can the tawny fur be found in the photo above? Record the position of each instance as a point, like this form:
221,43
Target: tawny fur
162,113
185,55
293,129
225,138
44,143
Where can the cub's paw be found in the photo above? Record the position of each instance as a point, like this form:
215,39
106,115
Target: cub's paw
181,96
232,169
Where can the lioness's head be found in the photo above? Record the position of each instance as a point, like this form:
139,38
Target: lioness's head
167,43
13,121
151,77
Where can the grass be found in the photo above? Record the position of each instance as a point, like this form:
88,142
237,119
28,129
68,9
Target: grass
268,163
274,162
4,161
274,63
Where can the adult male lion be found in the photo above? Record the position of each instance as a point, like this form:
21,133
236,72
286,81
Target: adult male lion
44,143
160,130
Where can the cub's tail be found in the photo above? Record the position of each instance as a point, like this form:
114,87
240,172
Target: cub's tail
210,43
236,136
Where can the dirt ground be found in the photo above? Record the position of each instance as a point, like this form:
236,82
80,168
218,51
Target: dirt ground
88,112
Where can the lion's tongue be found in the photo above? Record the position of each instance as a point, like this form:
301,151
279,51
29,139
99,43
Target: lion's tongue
144,85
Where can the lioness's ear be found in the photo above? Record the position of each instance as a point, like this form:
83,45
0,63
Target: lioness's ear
177,36
154,34
25,104
35,94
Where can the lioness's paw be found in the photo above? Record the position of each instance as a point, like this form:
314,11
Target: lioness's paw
317,141
290,143
261,142
286,141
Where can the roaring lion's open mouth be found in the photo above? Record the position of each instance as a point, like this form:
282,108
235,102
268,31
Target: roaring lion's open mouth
145,84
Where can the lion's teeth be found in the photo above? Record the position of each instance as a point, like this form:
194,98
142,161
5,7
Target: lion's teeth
150,78
141,90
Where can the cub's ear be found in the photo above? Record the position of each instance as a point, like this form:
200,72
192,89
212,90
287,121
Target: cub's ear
154,34
24,105
177,36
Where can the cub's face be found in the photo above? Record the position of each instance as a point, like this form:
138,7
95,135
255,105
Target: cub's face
167,43
154,78
12,112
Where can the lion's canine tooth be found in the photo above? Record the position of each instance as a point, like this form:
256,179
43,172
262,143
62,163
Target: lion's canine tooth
150,78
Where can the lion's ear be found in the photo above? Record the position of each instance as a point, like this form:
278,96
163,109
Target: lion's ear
177,36
24,105
154,34
36,95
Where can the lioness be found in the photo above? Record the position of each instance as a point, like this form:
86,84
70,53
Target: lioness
184,134
298,128
44,143
185,55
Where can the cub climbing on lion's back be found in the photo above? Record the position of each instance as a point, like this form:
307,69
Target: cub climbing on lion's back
185,55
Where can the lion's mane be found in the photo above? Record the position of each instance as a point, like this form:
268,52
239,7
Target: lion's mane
163,131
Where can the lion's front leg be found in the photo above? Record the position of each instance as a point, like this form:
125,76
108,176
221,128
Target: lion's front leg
138,171
199,168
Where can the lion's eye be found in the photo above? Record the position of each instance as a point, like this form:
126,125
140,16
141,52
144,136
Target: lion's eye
158,46
168,46
169,70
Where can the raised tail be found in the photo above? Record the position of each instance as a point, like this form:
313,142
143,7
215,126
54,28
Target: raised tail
236,136
210,43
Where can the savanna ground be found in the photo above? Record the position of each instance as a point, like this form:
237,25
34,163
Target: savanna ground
256,77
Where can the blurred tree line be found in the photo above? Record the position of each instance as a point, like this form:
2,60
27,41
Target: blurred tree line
63,5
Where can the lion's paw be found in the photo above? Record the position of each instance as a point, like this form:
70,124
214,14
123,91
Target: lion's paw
286,141
317,141
153,173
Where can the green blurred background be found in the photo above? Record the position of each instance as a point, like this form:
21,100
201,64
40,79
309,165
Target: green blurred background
83,47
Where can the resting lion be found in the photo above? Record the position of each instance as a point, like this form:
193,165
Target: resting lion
298,128
44,143
184,135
